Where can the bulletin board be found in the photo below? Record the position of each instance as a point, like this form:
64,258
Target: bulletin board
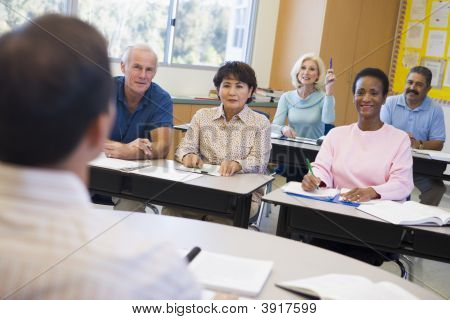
422,38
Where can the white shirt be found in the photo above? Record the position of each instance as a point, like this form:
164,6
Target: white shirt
54,245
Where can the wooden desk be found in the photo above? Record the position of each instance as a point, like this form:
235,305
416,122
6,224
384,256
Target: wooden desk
292,259
228,197
294,154
347,224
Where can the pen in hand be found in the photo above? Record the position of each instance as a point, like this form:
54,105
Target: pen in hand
192,254
311,170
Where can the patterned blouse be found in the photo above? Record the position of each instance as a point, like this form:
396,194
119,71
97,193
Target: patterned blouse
244,139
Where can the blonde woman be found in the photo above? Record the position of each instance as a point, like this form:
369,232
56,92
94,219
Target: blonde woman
309,106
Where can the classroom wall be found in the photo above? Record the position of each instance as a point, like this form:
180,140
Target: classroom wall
192,82
299,30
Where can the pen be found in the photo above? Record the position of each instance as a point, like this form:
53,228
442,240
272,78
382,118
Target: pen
192,254
310,169
331,63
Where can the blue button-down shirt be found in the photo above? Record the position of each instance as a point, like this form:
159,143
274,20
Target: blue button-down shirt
426,122
155,110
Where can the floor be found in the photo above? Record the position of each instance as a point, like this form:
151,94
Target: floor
427,273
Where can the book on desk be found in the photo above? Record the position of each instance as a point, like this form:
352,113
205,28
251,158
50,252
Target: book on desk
407,213
347,287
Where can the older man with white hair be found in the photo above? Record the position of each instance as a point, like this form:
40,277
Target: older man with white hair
144,120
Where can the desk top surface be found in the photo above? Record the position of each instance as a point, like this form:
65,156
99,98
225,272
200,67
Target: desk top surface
237,184
292,259
280,197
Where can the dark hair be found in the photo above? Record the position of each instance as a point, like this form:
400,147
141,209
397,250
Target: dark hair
55,81
423,71
239,71
375,73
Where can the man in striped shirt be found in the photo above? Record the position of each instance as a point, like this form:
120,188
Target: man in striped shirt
55,115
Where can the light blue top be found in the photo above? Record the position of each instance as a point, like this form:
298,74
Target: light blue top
426,122
306,116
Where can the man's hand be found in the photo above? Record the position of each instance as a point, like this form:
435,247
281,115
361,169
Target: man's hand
360,194
310,182
144,145
414,142
229,167
137,149
192,160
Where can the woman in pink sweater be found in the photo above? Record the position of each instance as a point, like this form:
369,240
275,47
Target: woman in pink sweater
369,157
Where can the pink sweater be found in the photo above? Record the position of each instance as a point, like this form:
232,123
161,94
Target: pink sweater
381,159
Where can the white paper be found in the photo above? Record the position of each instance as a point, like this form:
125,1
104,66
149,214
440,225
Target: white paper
210,169
435,155
447,77
410,59
414,35
167,174
439,14
407,213
117,164
435,67
323,193
348,287
231,274
418,9
436,43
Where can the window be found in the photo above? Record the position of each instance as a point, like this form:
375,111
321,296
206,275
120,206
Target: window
127,22
205,31
16,12
182,32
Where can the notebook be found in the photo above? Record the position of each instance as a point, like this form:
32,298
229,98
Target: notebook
407,213
346,287
225,273
323,194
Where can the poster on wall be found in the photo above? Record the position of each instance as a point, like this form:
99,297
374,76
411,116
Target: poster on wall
437,68
423,39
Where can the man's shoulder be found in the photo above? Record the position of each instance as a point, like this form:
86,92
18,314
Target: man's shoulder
119,79
392,101
434,105
158,92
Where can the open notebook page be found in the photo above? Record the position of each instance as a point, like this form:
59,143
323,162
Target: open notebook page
348,287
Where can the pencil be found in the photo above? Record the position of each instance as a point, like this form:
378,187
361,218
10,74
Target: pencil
310,169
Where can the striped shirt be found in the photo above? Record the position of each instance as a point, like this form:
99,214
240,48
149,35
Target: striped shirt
54,245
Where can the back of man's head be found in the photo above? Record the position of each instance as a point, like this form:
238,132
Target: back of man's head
54,83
